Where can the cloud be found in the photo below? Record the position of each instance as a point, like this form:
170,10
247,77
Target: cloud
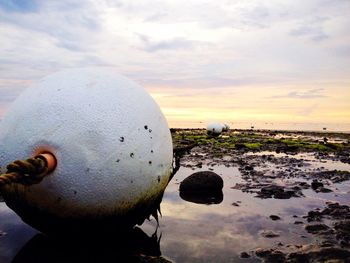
171,44
70,24
313,29
200,83
309,94
316,34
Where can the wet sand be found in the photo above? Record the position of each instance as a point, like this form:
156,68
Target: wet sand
285,199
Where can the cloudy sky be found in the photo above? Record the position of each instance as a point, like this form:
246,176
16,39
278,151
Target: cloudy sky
235,61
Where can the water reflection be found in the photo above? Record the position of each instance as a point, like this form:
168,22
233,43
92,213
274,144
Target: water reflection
81,241
208,199
131,246
190,232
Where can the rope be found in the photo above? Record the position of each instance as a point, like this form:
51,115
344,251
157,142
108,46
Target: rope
33,170
27,172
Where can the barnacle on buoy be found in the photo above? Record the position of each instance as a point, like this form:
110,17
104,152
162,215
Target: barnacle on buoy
112,144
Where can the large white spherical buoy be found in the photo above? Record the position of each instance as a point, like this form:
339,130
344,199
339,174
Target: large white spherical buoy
214,128
111,141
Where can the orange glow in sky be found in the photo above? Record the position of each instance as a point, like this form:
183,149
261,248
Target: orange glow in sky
231,61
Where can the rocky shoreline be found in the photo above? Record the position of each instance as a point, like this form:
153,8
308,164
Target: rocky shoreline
283,165
243,196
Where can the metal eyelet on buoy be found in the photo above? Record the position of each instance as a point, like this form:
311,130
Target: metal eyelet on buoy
50,161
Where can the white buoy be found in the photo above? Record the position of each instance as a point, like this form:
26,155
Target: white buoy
214,128
111,141
225,127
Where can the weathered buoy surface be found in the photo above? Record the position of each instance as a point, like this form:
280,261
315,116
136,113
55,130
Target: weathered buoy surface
111,141
214,128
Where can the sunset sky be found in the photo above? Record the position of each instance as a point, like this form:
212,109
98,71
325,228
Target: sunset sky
232,61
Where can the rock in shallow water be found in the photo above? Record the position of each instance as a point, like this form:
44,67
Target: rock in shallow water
317,228
244,255
274,217
202,182
203,187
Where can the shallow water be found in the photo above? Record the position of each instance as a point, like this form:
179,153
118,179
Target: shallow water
192,232
310,160
219,233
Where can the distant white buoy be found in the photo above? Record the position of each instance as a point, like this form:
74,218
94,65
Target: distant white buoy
214,128
111,141
225,127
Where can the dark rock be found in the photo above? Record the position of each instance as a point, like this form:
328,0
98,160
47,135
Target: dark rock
271,255
343,226
314,216
272,189
277,192
260,252
316,184
263,195
249,168
328,243
240,146
342,229
330,254
327,254
202,182
269,234
284,195
274,217
296,188
276,257
298,257
304,185
324,190
334,175
203,188
287,148
244,255
334,211
316,229
291,148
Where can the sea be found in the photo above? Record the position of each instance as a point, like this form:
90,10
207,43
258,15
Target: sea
278,126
